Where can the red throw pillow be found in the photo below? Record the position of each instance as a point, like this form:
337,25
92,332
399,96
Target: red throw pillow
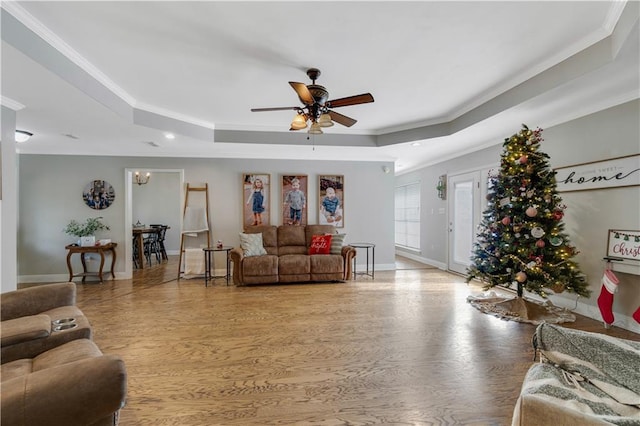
320,244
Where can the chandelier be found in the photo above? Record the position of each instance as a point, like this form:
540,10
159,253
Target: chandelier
142,180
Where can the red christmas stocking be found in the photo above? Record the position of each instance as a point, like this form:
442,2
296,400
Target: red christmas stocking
636,315
605,300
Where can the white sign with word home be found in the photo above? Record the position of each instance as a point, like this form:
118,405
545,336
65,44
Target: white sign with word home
612,173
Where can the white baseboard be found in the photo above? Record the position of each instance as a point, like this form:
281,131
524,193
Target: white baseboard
622,321
63,278
426,261
51,278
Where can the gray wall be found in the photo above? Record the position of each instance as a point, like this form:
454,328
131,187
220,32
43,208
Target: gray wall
433,212
51,187
607,134
159,201
8,200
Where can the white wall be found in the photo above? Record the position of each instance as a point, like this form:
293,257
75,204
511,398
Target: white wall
607,134
51,189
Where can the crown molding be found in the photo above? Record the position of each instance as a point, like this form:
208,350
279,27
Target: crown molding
11,104
39,29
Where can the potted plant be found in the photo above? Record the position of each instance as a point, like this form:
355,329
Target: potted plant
86,231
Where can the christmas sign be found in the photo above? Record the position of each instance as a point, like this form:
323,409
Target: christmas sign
624,244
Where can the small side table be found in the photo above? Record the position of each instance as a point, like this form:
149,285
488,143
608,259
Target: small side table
82,251
208,255
367,246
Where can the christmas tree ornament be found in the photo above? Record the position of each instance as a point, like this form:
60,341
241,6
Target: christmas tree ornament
506,220
523,159
555,241
540,243
557,287
521,277
531,211
558,214
537,232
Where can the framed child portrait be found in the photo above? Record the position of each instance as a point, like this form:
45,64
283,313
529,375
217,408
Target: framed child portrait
294,199
255,199
331,202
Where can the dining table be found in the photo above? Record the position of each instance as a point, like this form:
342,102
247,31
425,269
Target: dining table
138,239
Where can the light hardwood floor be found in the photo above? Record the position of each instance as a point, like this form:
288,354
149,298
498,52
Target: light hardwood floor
403,349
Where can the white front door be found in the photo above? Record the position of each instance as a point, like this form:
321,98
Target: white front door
464,217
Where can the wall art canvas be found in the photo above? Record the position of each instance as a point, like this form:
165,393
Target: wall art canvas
294,199
98,194
255,199
331,200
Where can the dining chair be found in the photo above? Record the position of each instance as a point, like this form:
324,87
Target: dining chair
162,232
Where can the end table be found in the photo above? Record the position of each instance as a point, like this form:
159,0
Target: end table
367,247
208,255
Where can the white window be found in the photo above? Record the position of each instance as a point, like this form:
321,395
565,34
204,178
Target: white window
408,216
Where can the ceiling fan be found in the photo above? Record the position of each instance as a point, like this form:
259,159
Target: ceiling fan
317,109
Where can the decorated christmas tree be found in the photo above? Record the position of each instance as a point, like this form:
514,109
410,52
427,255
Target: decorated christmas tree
521,240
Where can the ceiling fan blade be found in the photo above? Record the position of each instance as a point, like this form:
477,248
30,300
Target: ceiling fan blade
342,119
350,100
303,93
274,109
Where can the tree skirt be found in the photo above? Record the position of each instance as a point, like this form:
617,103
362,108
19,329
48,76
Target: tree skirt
520,309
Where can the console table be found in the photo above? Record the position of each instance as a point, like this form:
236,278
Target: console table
208,254
367,247
82,251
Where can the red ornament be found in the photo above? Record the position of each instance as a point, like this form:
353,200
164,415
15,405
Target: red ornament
506,220
540,243
524,159
558,214
531,211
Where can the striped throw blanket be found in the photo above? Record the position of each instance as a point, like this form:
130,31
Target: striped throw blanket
592,374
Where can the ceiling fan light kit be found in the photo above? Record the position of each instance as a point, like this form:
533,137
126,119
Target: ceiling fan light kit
325,120
315,129
317,107
299,122
22,136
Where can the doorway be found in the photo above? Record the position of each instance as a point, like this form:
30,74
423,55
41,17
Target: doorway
163,194
464,217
